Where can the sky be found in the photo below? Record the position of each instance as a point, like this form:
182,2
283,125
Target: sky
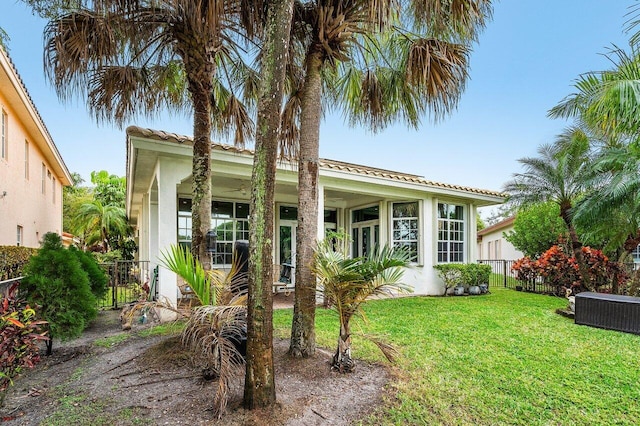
525,62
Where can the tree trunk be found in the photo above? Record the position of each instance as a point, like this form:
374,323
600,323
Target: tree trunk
303,335
576,246
342,360
201,170
259,386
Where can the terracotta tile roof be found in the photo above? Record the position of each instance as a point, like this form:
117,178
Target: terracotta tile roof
324,163
497,226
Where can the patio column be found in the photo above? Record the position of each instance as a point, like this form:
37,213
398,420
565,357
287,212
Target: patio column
320,211
169,173
472,234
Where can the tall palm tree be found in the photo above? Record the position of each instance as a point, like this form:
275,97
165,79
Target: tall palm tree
607,101
611,211
559,174
413,73
259,387
131,57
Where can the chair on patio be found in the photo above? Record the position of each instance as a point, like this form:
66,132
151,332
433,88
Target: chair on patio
284,284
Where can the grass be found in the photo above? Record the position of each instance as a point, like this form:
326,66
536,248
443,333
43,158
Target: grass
79,409
166,329
502,358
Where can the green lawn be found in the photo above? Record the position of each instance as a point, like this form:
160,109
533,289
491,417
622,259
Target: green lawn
502,358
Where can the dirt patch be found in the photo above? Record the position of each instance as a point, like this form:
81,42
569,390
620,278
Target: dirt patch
132,380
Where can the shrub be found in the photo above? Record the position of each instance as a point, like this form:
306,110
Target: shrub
58,287
476,274
561,271
450,274
458,273
19,333
98,279
13,259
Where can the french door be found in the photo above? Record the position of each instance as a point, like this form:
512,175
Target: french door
365,236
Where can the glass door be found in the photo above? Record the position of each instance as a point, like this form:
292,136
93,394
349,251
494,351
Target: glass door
287,250
364,236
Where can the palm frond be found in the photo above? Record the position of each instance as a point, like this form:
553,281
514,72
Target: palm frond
214,333
181,262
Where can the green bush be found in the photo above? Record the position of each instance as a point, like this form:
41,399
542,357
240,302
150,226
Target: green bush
13,259
450,273
462,273
476,274
57,286
98,279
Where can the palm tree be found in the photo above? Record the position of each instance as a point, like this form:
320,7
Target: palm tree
136,57
607,101
611,211
350,282
216,330
97,223
559,174
259,388
377,84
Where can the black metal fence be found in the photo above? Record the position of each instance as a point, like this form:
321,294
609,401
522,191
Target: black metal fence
128,282
503,276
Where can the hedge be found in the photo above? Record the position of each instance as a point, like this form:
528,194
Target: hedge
13,259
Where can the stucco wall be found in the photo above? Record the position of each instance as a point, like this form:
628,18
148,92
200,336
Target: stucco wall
506,250
25,204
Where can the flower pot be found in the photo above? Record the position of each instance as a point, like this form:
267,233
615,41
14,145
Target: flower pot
458,290
474,290
484,288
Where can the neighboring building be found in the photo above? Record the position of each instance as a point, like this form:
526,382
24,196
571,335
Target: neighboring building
32,173
436,221
493,246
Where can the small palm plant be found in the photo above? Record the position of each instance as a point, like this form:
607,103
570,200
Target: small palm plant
216,331
348,283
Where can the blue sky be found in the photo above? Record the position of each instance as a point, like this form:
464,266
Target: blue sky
525,63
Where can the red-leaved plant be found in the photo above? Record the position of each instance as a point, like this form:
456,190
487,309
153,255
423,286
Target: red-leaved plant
20,332
561,270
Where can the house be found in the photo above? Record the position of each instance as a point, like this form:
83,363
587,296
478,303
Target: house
436,221
493,246
32,172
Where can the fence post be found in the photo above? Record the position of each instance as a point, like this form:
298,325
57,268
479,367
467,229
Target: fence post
504,272
116,284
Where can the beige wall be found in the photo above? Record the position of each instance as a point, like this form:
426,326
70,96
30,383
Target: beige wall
25,204
494,246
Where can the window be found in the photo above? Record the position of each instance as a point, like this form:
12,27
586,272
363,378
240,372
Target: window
365,230
4,138
53,190
405,227
26,160
19,236
451,244
44,176
229,219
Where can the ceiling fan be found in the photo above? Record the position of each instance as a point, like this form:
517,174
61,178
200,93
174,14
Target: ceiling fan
243,189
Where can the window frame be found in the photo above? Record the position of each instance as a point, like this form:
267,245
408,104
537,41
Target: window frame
19,236
417,257
4,134
44,179
452,227
238,228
